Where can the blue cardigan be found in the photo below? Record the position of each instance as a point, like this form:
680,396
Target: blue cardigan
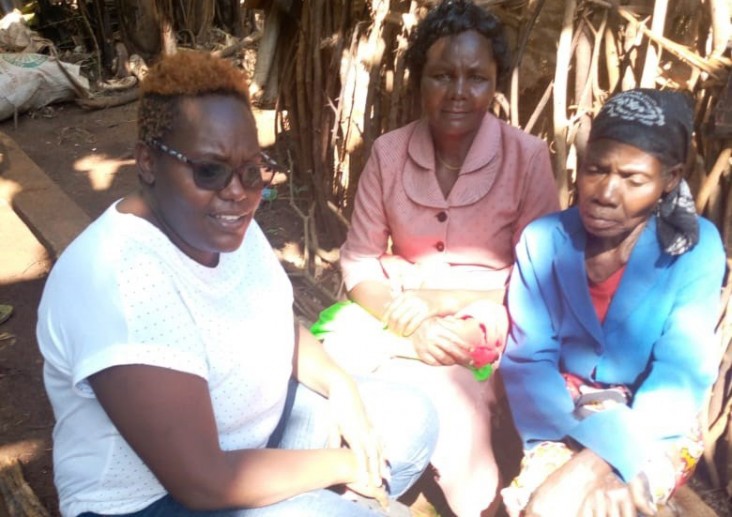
657,338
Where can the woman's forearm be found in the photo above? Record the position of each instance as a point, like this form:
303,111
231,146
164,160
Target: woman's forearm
167,418
452,301
376,296
313,367
259,477
373,296
590,465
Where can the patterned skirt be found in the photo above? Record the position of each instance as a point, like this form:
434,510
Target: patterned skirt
668,466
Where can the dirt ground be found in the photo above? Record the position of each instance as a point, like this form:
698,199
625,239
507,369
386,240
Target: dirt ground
89,155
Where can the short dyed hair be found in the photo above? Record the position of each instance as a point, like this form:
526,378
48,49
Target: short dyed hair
451,17
184,74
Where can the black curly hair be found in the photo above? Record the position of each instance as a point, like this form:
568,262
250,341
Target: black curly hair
452,17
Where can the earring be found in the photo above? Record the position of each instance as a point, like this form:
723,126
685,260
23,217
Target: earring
145,178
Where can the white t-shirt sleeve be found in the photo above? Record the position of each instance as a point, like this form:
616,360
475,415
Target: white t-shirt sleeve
158,329
120,314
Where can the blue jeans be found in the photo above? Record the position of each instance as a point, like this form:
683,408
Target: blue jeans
404,418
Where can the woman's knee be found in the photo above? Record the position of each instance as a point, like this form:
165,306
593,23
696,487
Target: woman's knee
404,417
403,404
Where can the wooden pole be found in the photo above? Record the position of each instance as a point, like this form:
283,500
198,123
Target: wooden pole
560,102
583,70
20,500
712,179
266,50
534,8
721,29
372,62
97,50
539,108
650,67
612,61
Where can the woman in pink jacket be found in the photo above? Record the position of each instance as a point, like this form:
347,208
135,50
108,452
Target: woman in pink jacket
440,205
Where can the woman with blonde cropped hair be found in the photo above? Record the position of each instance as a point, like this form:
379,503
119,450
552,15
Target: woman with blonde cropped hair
181,383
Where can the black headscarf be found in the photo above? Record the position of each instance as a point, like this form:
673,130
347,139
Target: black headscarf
660,123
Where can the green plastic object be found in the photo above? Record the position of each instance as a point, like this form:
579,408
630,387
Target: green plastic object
345,315
483,373
324,324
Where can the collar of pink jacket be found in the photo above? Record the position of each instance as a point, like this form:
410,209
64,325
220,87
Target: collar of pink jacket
476,176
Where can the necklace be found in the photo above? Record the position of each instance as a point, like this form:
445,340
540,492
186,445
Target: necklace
447,165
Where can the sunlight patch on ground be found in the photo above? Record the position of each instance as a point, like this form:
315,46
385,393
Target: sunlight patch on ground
22,257
100,169
292,254
27,450
8,189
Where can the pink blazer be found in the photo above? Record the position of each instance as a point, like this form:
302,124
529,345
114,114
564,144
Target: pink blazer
405,232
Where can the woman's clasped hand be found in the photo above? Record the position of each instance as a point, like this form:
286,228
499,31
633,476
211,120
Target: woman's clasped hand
409,309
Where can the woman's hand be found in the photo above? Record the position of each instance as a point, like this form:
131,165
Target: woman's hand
641,494
586,486
367,490
444,341
354,429
566,490
409,309
561,495
610,497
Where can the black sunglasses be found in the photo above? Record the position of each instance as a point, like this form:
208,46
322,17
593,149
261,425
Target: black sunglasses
255,175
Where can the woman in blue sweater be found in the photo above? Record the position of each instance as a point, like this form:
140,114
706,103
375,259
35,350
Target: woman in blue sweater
613,305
